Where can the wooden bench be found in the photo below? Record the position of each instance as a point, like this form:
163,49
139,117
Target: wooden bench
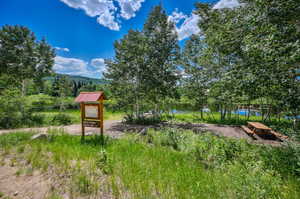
279,135
247,130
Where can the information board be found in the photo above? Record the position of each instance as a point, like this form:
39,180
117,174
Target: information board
91,111
91,123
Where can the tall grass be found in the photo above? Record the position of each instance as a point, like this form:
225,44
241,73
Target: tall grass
163,164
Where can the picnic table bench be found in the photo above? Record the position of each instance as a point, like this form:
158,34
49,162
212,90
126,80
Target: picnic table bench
260,129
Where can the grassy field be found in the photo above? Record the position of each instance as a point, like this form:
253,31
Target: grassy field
75,115
163,164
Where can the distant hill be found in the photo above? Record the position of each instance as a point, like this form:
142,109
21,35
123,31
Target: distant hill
77,78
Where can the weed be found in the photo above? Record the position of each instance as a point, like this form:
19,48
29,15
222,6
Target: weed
61,119
54,195
29,171
83,183
21,149
19,172
103,162
13,162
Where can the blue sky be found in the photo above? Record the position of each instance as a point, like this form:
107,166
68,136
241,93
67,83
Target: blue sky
83,31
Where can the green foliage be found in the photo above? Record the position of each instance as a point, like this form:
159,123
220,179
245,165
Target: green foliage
22,57
13,139
197,77
15,111
143,73
142,120
61,119
251,52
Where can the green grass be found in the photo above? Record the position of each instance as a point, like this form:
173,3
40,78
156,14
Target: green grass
75,115
163,164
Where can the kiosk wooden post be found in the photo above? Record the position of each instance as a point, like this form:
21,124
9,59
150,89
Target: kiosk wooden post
91,108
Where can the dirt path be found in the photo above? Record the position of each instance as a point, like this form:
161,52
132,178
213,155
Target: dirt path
23,187
74,129
115,129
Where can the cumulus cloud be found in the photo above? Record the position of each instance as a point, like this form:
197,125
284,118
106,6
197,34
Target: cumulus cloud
189,25
98,65
226,4
129,7
74,66
62,49
108,20
70,66
106,11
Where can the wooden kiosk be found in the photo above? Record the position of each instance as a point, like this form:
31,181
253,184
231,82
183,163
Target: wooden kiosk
91,107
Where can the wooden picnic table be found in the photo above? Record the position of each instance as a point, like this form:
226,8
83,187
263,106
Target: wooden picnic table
258,125
261,129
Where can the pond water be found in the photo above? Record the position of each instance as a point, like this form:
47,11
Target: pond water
245,112
292,117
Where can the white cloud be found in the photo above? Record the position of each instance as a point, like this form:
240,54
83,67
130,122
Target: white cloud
226,4
176,16
74,66
129,7
103,9
62,49
98,65
108,20
188,27
71,66
106,11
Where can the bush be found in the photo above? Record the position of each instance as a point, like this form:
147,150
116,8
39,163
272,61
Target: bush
142,120
15,111
40,102
61,119
37,119
177,139
67,102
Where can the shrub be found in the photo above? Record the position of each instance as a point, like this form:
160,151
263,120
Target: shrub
40,102
15,111
175,138
142,120
37,119
61,119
